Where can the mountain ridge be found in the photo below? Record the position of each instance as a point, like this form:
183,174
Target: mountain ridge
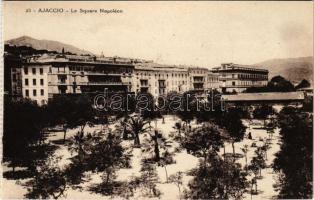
46,44
293,69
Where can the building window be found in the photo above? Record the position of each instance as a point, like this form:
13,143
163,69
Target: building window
34,81
14,77
42,92
41,81
26,81
233,83
41,70
34,70
27,93
34,93
25,70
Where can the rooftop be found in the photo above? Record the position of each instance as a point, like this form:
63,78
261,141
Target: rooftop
233,66
159,67
267,96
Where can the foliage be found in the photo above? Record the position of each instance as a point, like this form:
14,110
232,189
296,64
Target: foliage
261,112
295,158
231,121
203,140
71,111
137,125
148,179
220,179
303,84
276,84
148,109
308,104
188,107
177,180
97,152
258,161
154,143
23,132
49,181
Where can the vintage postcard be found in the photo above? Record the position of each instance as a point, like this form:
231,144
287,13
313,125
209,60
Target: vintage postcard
157,100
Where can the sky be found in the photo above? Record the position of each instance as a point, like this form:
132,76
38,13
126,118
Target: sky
203,34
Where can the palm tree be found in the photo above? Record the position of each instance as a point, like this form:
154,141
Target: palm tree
137,125
121,128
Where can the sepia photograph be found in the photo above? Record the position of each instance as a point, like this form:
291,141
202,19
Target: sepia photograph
156,100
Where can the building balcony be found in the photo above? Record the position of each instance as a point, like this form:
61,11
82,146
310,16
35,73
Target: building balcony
107,74
61,83
198,81
102,83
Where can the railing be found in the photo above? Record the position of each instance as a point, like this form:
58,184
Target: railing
198,81
101,83
61,83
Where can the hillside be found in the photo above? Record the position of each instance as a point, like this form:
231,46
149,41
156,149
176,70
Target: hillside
45,44
293,69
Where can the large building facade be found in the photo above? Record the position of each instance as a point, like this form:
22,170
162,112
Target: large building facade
160,79
40,78
237,78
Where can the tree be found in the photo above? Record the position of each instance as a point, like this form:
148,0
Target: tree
220,179
256,166
170,102
203,140
149,178
308,104
106,154
137,125
188,107
177,180
294,160
303,84
166,159
280,84
258,161
23,132
49,181
71,111
261,112
276,84
232,122
148,110
122,129
82,114
158,147
154,143
101,153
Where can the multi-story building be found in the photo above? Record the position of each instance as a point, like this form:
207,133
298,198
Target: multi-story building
198,78
160,79
212,81
49,75
42,77
234,77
